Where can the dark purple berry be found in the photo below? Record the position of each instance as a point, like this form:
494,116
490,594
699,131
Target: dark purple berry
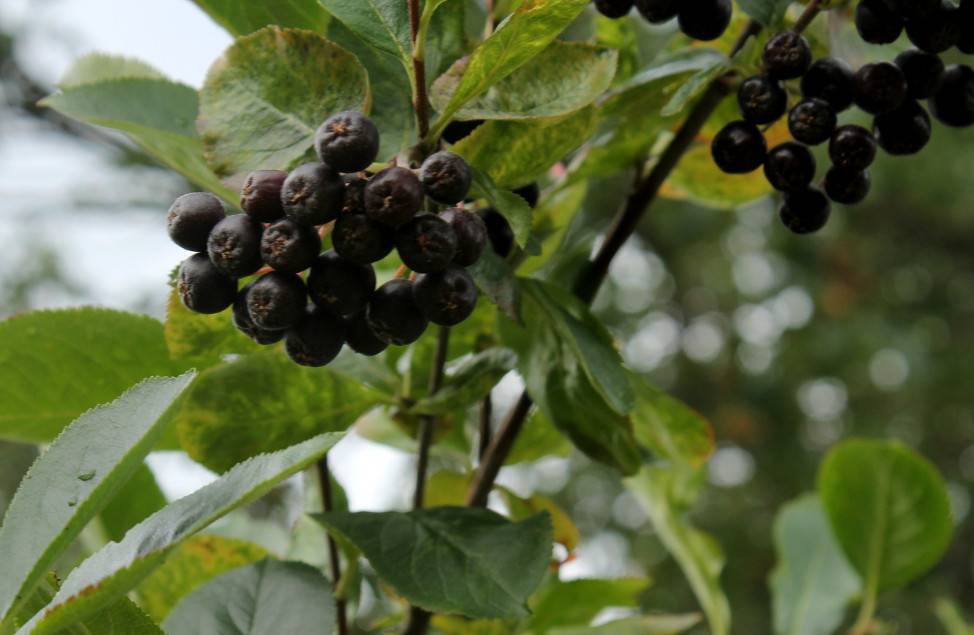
446,178
203,288
244,323
289,247
317,339
812,121
877,23
393,314
471,232
847,187
191,219
705,20
966,41
658,11
277,301
498,231
313,194
805,211
938,31
530,193
739,148
358,238
426,244
953,103
613,8
234,245
787,55
393,196
904,131
789,166
762,100
361,338
260,196
830,79
923,72
448,297
913,8
340,285
347,142
880,88
852,148
459,130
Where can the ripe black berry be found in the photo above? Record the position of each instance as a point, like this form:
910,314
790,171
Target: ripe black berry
966,41
313,194
191,219
234,245
812,121
953,103
762,100
244,323
877,22
739,148
277,301
361,338
358,238
847,186
852,148
393,196
789,166
347,142
202,287
458,130
937,31
426,244
880,88
913,8
448,297
530,193
289,247
923,72
830,79
499,231
471,232
613,9
787,56
705,20
393,314
446,178
805,211
658,11
317,339
261,195
904,131
340,285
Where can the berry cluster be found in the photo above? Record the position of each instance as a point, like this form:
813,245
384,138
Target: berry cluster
890,92
279,237
703,20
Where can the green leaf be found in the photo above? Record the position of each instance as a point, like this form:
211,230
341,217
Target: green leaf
889,509
665,494
527,32
468,381
563,78
75,478
266,598
767,12
952,619
813,584
58,364
382,24
485,566
261,403
517,153
193,563
243,18
139,498
576,603
264,99
99,67
510,205
564,531
202,340
670,428
650,625
118,567
693,88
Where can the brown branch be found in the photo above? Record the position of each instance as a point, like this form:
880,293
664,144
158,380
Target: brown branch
428,421
327,503
809,14
420,99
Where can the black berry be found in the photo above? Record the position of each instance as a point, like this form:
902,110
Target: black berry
923,72
244,323
739,148
904,131
426,244
937,31
762,100
447,298
360,239
812,121
613,8
446,178
471,232
459,130
203,288
877,22
260,196
530,193
347,142
313,194
658,11
852,148
315,340
191,219
340,285
953,103
966,41
394,315
354,198
705,20
361,338
805,211
289,247
789,166
913,8
234,245
847,186
830,79
880,88
277,301
499,231
393,196
787,56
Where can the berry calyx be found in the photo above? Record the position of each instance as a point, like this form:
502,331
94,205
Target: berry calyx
244,323
426,244
880,88
847,186
762,100
277,301
705,20
877,22
852,148
347,142
471,233
613,9
789,166
812,121
830,79
289,247
923,72
203,288
953,103
316,339
260,196
658,11
234,245
358,238
739,148
805,211
191,219
446,177
787,55
361,338
393,314
313,194
393,196
339,285
448,297
904,131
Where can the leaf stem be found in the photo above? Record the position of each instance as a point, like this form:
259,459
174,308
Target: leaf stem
420,99
867,611
327,503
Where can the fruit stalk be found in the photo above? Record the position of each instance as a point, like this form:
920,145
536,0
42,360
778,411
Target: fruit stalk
327,503
807,16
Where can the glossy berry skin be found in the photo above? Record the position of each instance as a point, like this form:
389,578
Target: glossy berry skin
805,211
923,72
260,196
812,121
705,20
191,219
203,288
361,338
739,148
471,232
787,56
426,244
276,301
877,23
347,142
313,194
613,8
830,79
953,103
447,298
762,100
499,231
360,239
880,88
852,148
339,285
289,247
658,11
847,187
530,193
789,166
316,339
393,314
234,245
904,131
938,31
244,323
459,130
393,196
446,177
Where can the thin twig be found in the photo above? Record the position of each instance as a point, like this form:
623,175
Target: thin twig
809,14
324,480
486,414
420,99
428,421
